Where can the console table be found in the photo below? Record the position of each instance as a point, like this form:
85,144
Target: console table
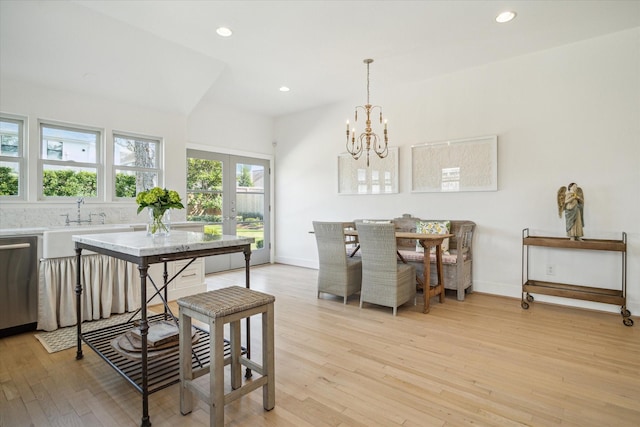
581,292
138,248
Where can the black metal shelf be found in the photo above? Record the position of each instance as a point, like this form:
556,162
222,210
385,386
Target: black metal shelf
163,371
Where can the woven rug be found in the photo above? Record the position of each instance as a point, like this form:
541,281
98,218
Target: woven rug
64,338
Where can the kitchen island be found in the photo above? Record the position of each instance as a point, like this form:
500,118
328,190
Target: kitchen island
143,250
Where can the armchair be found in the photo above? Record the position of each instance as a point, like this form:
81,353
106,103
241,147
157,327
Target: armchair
384,281
338,274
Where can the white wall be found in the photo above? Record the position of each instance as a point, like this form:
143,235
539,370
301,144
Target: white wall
230,131
562,115
36,103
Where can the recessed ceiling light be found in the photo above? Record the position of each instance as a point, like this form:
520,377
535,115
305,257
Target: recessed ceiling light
505,17
284,89
224,32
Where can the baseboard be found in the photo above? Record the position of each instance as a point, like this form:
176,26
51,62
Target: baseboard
297,262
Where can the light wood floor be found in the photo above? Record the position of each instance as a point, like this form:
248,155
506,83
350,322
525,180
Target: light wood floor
482,362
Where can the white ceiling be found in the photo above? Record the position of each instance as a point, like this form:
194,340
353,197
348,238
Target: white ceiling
166,54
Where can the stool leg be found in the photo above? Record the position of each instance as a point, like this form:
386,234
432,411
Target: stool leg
236,367
268,362
216,373
186,368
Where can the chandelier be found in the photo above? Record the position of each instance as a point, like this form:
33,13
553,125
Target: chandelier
367,139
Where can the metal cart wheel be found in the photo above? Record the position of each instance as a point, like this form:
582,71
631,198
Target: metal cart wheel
627,321
625,312
529,297
524,305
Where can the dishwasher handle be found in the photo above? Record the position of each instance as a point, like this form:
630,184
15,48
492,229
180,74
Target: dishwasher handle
15,246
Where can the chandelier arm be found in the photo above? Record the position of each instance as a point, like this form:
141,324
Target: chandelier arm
363,108
354,147
382,150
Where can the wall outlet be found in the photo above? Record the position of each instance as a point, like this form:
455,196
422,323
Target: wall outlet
551,270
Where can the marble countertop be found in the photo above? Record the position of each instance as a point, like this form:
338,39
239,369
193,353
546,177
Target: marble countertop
33,231
139,244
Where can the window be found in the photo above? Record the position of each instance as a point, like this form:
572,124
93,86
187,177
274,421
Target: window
69,161
136,163
12,158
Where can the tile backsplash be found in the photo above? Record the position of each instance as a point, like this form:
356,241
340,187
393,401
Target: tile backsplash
28,216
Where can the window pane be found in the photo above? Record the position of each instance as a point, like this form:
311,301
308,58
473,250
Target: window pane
250,202
130,183
204,174
136,152
204,193
69,144
10,138
250,176
69,181
250,217
204,207
9,178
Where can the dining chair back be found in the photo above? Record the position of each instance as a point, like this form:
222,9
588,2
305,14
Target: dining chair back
385,281
338,274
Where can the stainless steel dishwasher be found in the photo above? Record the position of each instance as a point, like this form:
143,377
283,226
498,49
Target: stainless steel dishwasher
18,284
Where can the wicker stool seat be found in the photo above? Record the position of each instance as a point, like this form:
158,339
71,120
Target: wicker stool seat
216,308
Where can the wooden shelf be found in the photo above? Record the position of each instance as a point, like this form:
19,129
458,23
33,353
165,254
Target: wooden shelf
586,293
565,242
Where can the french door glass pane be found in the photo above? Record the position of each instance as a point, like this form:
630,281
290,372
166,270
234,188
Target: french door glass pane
204,193
250,202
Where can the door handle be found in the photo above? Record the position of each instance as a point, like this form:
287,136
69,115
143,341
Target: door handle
15,246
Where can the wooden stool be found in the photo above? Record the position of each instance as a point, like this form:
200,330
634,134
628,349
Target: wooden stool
227,305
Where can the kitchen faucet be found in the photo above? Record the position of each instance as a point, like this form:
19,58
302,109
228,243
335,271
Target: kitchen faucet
79,219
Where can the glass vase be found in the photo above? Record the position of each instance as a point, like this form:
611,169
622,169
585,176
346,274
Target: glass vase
159,222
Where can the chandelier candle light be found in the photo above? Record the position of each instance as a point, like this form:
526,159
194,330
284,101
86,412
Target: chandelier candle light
368,139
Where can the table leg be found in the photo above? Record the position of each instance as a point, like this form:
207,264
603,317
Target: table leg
247,258
79,303
440,273
426,287
144,330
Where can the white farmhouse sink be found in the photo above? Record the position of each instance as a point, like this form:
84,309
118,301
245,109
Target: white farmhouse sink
58,244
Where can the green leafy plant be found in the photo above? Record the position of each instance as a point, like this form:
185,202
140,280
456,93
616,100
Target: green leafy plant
158,200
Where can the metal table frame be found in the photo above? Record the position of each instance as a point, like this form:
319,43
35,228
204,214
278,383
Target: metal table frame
143,262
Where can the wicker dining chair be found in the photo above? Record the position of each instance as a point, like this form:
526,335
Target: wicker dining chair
385,281
338,274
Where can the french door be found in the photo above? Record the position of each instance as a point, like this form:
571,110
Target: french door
231,194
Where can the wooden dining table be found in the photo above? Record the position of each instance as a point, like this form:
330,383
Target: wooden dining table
427,241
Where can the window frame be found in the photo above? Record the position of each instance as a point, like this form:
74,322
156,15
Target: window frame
98,165
158,169
20,159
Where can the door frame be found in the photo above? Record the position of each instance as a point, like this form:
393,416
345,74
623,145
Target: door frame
271,198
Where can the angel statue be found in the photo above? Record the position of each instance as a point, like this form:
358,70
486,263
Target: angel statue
571,200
